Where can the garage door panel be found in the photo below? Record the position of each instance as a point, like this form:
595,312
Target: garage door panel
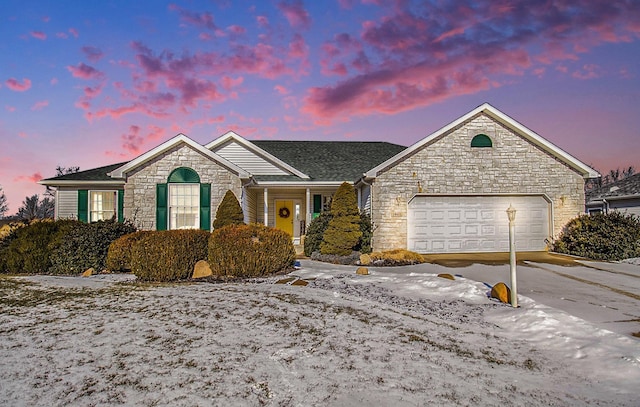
439,224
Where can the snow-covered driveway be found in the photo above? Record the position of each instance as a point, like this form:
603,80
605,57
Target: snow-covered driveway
390,338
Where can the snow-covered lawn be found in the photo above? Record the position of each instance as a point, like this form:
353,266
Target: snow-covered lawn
391,339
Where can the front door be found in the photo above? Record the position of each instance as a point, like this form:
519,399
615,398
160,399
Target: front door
285,216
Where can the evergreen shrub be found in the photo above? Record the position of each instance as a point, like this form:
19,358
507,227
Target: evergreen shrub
249,251
168,255
602,236
315,231
119,253
30,249
343,231
85,245
229,211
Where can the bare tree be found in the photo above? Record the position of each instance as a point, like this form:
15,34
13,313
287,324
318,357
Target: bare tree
3,203
33,208
59,172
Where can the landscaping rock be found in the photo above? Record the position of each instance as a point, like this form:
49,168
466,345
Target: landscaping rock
201,269
446,275
365,259
88,272
363,271
501,292
285,280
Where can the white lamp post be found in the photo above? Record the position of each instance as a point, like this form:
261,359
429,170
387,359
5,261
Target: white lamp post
511,213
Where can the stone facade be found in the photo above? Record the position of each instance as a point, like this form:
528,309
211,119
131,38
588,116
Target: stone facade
140,188
449,165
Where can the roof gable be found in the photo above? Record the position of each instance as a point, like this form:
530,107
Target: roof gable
498,116
169,144
252,158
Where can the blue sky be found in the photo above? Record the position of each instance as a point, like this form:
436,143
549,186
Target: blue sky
100,83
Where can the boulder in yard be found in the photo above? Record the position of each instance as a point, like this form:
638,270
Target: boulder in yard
363,271
300,282
365,259
446,275
202,269
501,292
88,272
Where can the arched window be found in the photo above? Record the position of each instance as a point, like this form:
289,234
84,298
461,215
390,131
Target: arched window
183,202
481,140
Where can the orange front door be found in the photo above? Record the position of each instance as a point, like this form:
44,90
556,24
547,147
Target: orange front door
284,216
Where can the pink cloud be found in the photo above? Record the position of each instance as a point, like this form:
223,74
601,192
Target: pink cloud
281,90
408,58
84,71
73,32
62,35
132,141
38,35
40,105
236,29
46,19
588,71
35,177
16,86
53,81
10,108
295,13
93,54
262,21
229,83
201,20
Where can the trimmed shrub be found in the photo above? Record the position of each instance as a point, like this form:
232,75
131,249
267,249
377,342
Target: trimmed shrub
168,255
30,249
229,212
249,251
343,232
610,236
315,231
366,227
119,253
349,259
396,257
85,245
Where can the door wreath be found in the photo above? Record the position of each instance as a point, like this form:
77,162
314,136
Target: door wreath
284,212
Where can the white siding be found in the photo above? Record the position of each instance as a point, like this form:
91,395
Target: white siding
247,160
249,208
67,204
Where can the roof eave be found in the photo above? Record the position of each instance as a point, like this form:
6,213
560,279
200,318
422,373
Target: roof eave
53,183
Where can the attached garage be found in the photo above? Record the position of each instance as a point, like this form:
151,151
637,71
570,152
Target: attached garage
476,223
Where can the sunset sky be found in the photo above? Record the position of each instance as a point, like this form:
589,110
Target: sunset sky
99,83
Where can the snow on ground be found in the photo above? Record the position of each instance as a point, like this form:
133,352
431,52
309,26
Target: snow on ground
399,337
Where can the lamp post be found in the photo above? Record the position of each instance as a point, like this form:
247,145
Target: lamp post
511,213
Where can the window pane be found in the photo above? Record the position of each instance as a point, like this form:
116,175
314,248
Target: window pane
102,205
184,210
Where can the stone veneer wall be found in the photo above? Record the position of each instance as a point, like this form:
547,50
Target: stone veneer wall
450,166
140,189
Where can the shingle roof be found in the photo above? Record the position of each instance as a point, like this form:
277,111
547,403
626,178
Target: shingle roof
625,187
331,160
94,174
321,160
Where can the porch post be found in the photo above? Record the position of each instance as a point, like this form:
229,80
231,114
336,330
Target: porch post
359,197
266,207
308,207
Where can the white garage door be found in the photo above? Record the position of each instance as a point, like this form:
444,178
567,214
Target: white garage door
458,224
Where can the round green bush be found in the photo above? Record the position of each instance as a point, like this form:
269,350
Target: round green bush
119,254
31,249
315,231
610,236
249,251
85,245
168,255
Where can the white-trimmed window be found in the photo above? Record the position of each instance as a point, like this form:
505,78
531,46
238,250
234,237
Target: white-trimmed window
102,205
184,206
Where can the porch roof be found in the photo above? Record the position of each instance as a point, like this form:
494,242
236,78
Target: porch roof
92,175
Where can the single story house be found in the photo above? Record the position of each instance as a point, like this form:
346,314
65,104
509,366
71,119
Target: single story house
446,193
622,195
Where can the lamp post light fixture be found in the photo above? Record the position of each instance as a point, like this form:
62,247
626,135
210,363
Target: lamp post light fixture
511,213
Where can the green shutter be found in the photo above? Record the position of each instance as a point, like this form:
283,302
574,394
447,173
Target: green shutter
83,205
317,205
161,206
205,206
121,205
